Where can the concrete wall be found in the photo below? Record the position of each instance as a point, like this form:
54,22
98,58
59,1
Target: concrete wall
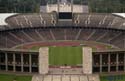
87,60
43,60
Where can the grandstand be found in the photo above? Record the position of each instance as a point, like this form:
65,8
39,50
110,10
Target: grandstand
57,45
28,28
24,34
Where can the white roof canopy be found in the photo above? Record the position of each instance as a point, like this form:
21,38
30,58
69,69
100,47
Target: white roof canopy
3,16
120,14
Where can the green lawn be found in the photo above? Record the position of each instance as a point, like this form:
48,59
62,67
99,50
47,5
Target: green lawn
65,55
8,77
113,78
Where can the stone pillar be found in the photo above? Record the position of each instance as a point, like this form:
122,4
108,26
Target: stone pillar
100,63
124,62
117,62
87,60
109,62
6,61
43,60
14,61
22,70
30,63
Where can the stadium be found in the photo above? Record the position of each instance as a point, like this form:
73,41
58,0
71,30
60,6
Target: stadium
65,44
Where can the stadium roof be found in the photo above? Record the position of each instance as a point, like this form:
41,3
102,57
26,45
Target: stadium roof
3,16
101,20
120,14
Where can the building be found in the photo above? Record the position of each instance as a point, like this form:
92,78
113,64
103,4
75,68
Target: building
25,30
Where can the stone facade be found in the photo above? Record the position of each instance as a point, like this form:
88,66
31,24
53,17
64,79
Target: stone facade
43,60
87,60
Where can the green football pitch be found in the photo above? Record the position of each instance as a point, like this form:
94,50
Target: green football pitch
10,77
65,55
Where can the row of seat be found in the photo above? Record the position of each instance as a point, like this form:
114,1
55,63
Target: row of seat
78,20
13,38
31,20
99,20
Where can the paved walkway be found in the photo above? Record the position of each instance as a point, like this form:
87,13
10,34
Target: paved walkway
62,71
65,78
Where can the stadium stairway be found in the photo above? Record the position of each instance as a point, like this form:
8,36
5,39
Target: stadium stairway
66,78
94,77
